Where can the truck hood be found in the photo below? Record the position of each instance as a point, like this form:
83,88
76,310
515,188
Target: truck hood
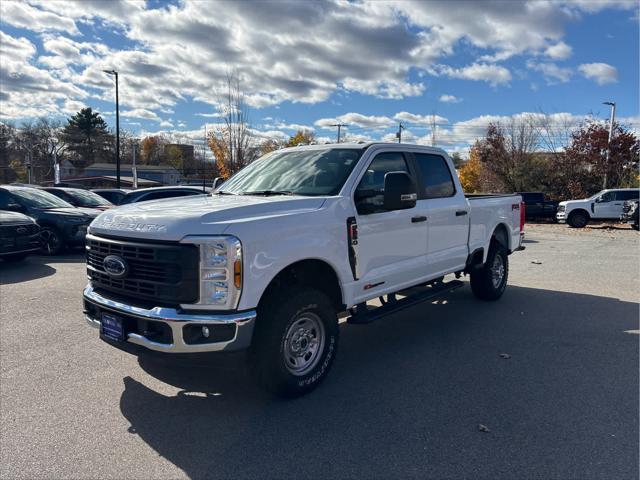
573,203
174,218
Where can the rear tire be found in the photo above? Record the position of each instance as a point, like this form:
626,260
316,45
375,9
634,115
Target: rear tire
490,281
295,341
51,242
578,219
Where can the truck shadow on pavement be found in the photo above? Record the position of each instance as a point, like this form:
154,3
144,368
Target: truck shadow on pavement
35,266
407,394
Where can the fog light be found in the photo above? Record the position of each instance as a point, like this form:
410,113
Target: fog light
205,332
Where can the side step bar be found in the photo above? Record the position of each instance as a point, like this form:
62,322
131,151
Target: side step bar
424,293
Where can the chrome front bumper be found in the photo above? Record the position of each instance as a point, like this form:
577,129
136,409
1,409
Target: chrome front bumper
243,321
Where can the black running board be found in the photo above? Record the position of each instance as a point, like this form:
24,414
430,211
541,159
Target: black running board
424,293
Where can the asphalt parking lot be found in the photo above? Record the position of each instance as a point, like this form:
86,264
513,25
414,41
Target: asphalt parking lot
405,397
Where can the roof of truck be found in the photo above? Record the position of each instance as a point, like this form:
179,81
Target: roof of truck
363,146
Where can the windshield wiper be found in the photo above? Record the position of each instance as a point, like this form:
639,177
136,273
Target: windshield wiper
268,192
224,192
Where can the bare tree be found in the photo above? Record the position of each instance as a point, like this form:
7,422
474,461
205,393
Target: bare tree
232,142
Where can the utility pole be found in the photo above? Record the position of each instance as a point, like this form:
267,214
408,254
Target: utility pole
115,74
339,125
612,119
134,169
399,133
433,130
27,161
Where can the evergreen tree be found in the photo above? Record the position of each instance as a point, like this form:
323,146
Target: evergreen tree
88,138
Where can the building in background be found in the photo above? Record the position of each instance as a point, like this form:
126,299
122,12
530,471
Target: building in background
162,174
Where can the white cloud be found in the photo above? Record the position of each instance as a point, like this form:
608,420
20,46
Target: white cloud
141,113
420,119
559,51
490,73
551,72
601,73
357,120
449,99
22,15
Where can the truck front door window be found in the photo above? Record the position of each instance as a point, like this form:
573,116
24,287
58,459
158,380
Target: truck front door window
370,192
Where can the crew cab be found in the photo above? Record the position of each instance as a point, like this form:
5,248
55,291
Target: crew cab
604,205
270,260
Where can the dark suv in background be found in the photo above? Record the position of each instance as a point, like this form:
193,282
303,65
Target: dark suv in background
62,225
19,236
79,197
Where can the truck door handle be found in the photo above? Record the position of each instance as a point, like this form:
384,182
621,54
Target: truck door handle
460,213
418,219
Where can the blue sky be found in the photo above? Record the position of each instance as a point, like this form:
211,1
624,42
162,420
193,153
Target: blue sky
457,65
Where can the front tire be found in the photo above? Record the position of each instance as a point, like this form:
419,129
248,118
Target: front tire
295,341
51,242
578,219
490,281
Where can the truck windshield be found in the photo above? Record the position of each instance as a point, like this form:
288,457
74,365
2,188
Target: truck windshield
305,172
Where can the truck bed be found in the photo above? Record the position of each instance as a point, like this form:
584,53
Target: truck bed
490,209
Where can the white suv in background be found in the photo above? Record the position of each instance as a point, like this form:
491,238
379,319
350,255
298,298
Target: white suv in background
604,205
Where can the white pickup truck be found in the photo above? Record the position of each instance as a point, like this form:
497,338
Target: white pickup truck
604,205
296,239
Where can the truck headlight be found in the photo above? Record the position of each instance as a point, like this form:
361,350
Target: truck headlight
220,272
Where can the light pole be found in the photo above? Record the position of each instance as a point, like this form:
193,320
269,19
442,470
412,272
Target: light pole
115,74
611,120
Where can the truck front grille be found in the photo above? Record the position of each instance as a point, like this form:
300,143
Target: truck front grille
166,274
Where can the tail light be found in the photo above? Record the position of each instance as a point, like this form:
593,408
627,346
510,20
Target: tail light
522,212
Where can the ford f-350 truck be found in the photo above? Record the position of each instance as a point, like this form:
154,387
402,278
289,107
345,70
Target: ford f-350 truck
286,246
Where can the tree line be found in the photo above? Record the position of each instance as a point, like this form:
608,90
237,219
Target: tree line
532,154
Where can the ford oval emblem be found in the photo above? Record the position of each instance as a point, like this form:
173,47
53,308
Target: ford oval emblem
22,230
115,266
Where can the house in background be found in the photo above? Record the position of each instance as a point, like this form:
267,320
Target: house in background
163,174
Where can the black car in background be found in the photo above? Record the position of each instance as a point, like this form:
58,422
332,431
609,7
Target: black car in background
114,195
61,224
79,197
537,206
19,236
157,193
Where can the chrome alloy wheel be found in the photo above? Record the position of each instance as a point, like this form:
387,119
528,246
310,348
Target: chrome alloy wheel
304,343
497,271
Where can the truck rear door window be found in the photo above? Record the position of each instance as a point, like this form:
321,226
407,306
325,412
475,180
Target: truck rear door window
436,177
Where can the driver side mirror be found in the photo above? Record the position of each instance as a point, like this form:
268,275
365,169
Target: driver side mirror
400,191
218,181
